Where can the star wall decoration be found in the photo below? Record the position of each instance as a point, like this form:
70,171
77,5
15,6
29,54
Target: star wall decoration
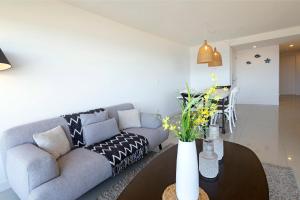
268,60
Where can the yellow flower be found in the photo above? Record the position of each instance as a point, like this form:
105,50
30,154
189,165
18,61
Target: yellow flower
209,91
172,128
201,120
205,121
166,126
165,122
213,77
217,98
206,97
205,112
198,121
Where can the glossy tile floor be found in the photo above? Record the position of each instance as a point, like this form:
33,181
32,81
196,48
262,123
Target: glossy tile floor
272,132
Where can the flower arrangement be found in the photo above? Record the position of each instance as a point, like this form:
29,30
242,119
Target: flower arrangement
195,114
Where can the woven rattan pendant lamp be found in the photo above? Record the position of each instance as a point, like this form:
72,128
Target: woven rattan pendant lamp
205,53
217,59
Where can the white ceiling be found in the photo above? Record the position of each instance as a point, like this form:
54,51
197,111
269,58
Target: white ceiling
283,43
190,22
284,47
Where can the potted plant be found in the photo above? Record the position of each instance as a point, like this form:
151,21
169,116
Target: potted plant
193,124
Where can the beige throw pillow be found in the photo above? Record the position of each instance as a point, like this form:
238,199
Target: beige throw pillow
129,119
53,141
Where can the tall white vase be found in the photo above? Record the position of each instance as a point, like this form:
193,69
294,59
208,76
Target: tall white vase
187,174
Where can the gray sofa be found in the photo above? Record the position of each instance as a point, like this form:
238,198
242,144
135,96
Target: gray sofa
34,174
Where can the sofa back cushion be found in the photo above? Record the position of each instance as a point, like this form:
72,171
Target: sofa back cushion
150,120
87,119
129,118
113,110
98,132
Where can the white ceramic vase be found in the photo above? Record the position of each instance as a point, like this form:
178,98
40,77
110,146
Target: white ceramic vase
187,174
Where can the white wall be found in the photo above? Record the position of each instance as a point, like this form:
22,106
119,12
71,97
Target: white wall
290,73
199,73
66,60
287,74
258,82
297,72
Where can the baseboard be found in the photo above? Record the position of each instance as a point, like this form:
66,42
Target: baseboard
4,186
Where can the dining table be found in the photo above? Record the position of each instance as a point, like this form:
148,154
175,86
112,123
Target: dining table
223,95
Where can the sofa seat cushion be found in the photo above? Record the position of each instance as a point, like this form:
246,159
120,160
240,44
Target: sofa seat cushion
154,136
81,170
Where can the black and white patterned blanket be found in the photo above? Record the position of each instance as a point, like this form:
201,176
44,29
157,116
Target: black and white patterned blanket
122,150
75,127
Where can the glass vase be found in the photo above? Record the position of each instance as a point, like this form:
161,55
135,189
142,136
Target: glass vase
208,160
214,134
219,148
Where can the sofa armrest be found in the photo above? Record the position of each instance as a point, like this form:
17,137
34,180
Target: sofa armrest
28,167
150,120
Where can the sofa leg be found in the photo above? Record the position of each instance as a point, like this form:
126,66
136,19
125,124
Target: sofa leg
160,147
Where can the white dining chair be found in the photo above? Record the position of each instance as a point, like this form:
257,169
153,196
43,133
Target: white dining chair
234,115
235,102
179,98
229,110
